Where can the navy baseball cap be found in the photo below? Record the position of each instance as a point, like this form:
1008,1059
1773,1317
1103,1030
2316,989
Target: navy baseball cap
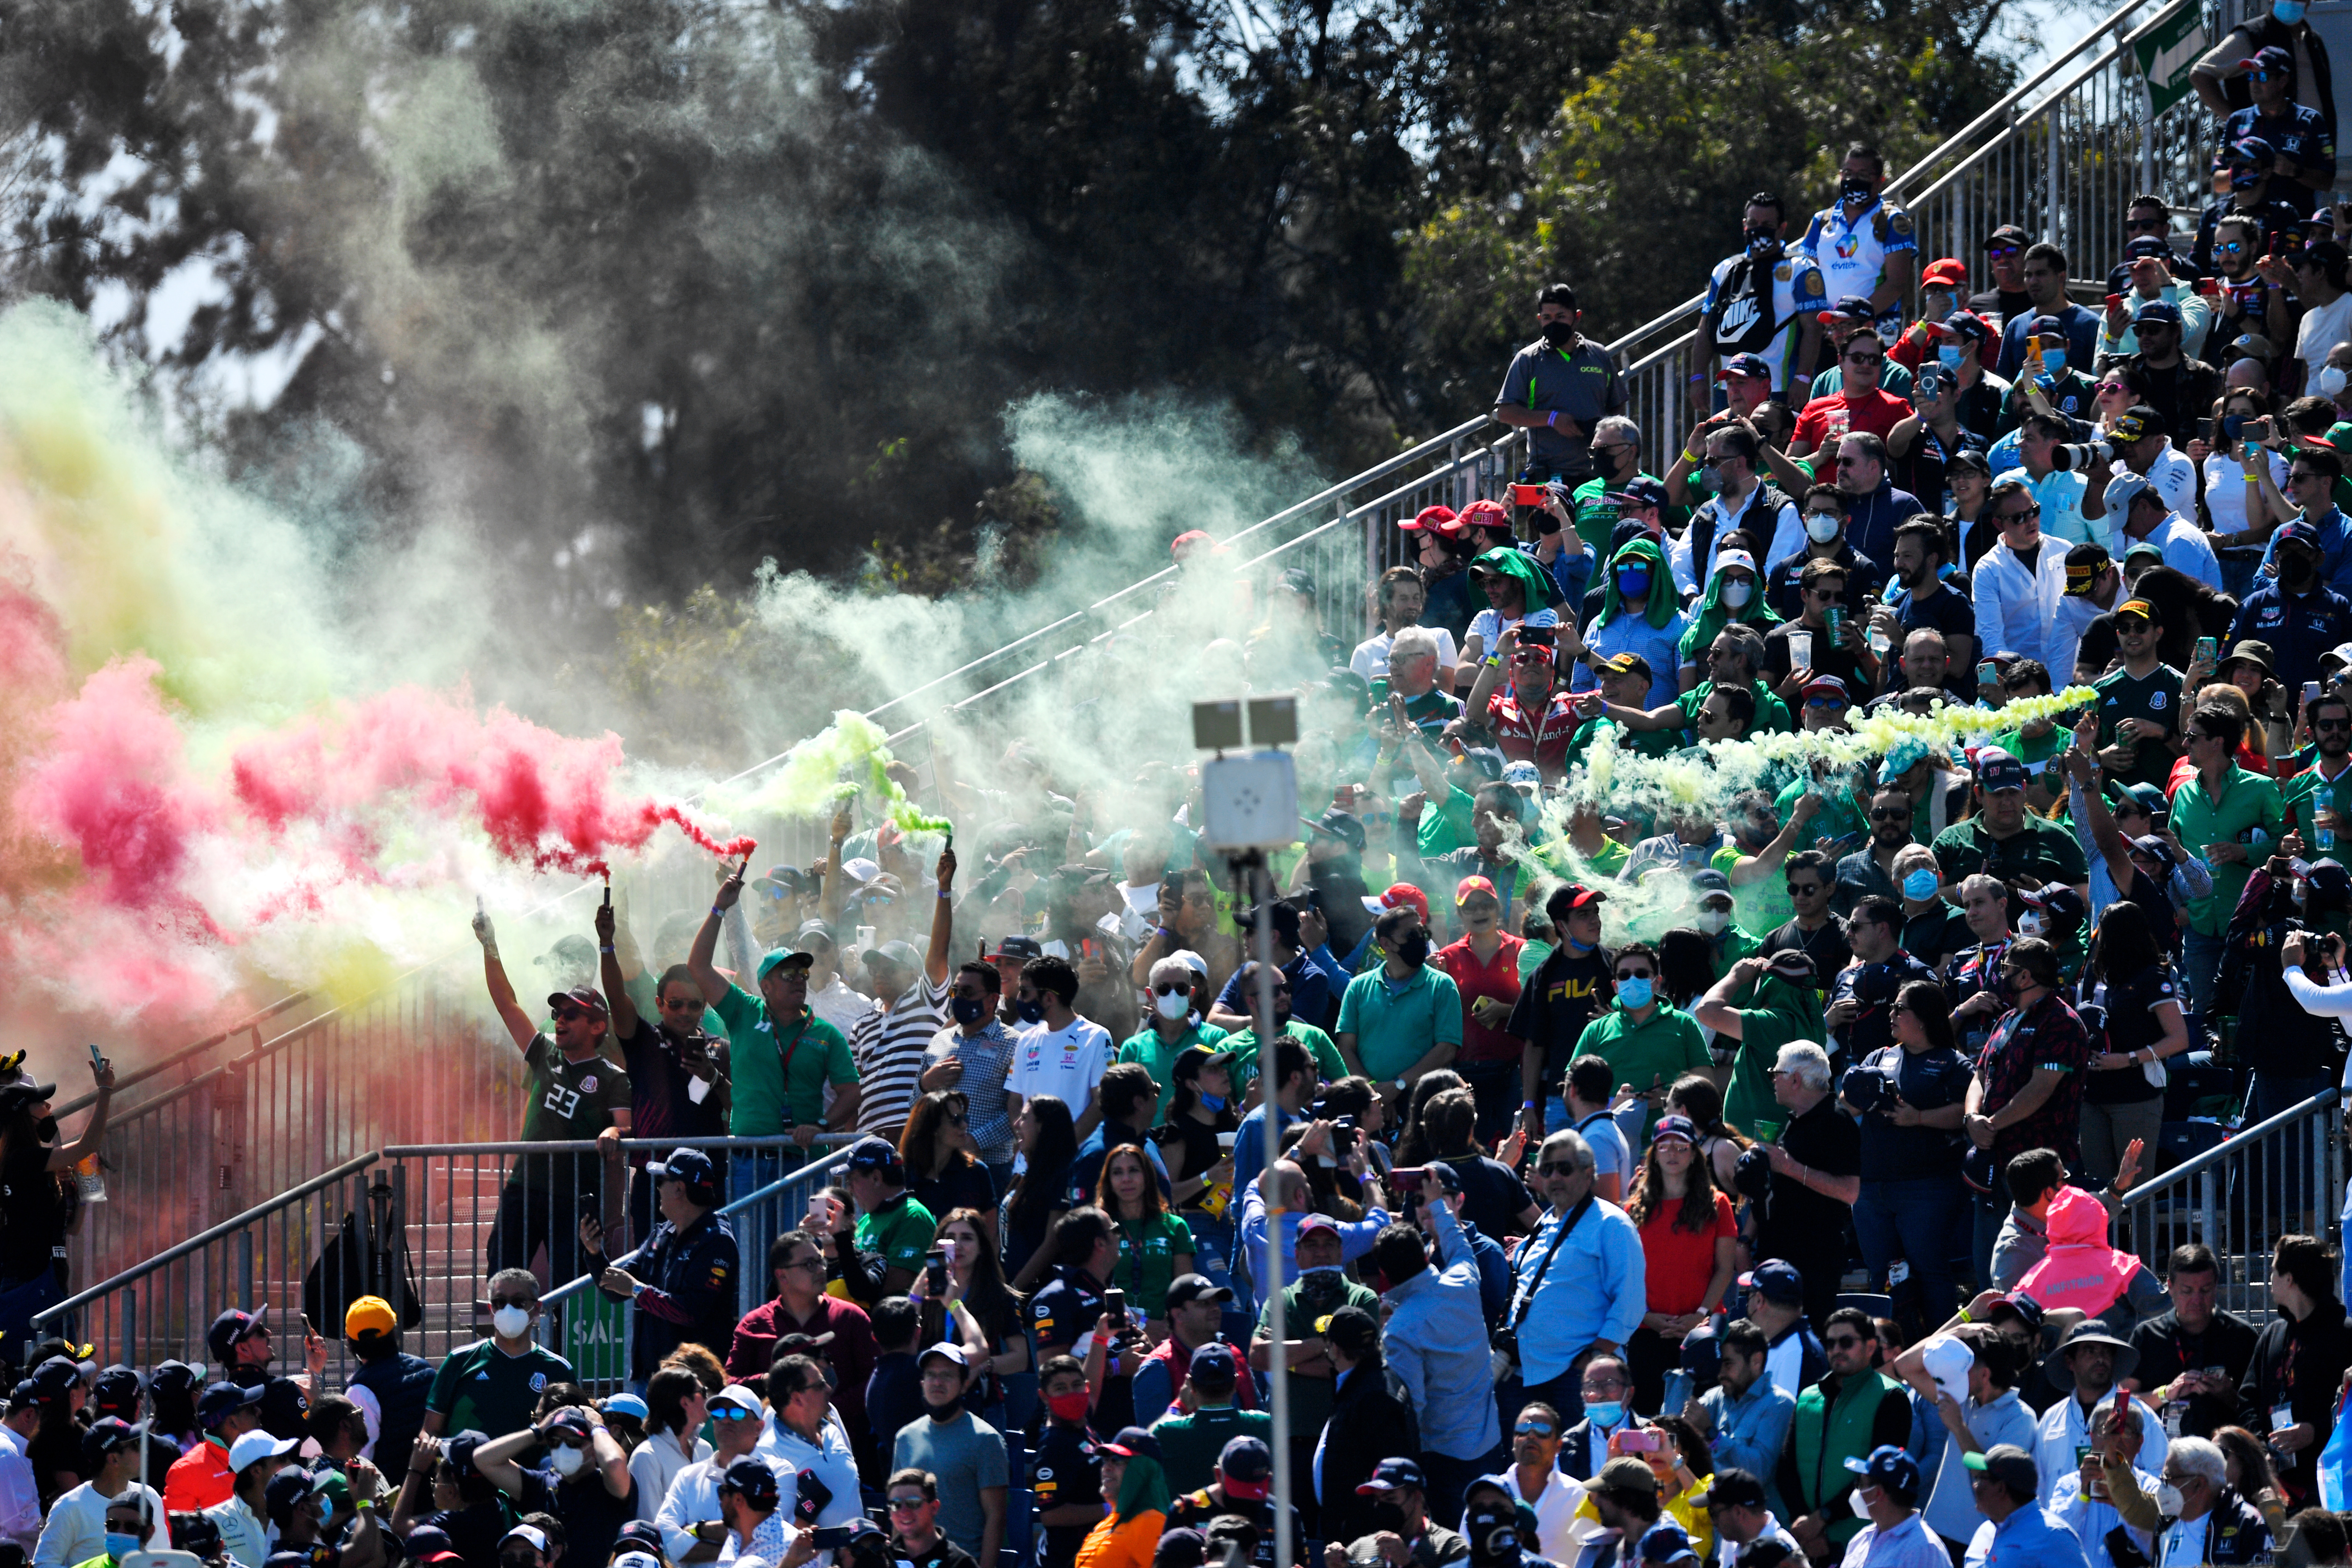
754,1480
872,1154
2145,245
2163,310
223,1400
2046,327
1889,1468
691,1166
229,1330
1776,1280
1849,308
2249,151
1641,491
1997,771
1391,1474
1753,367
1246,1467
1134,1441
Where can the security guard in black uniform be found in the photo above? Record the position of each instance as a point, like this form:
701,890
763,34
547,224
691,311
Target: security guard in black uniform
683,1278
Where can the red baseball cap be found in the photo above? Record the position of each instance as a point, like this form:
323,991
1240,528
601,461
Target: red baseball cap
1485,514
1403,893
1436,518
1192,538
1947,273
1469,885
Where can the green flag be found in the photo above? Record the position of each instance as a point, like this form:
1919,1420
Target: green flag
2164,55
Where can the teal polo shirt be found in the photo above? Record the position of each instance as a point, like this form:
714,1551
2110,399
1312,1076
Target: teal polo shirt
1147,1047
1396,1024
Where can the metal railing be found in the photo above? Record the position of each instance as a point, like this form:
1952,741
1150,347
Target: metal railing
418,1225
2281,1177
592,1333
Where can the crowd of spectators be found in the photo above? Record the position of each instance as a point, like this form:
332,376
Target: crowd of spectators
1728,1180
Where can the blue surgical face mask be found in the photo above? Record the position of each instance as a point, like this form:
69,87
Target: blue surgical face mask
1950,355
120,1546
2053,361
1214,1101
1635,993
1605,1412
1574,946
1632,581
2288,12
1919,885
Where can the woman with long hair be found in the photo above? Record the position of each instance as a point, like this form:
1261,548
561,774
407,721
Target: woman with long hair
1136,1489
978,1296
1048,1143
1688,1228
1412,1145
35,1166
1154,1246
2126,975
943,1168
675,1408
1685,966
1694,1096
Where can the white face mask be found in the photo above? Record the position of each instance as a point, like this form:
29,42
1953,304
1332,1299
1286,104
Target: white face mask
2169,1500
2033,923
1173,1005
567,1459
512,1322
1713,920
1736,592
1860,1509
2331,382
1820,527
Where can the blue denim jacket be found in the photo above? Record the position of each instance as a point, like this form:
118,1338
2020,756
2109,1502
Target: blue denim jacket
1437,1344
1751,1431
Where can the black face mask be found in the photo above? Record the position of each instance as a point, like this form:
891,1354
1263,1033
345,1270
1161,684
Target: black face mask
1389,1516
1029,1012
968,1009
1558,334
1763,242
1414,948
1852,189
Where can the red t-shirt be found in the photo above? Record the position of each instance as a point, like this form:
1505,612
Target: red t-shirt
1827,418
1524,735
1681,1263
1499,980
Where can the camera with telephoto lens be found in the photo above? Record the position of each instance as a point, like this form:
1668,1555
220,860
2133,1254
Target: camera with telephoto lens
2081,454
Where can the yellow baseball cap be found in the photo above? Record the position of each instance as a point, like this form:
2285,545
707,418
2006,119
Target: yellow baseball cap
369,1315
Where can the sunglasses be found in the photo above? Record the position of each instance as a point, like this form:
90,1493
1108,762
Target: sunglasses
568,1014
1636,974
2002,250
1842,1341
2112,386
2332,723
1531,1429
2152,224
1844,462
1888,813
2234,246
728,1413
1824,701
1864,359
2008,517
1805,890
525,1302
1172,990
907,1504
1826,593
1555,1168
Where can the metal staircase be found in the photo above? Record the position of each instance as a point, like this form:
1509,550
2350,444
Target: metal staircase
302,1098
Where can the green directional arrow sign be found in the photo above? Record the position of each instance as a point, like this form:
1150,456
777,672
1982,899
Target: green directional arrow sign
2165,55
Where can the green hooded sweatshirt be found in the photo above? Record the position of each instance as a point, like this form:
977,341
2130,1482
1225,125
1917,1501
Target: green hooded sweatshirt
1774,1013
1713,614
1541,590
1663,607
